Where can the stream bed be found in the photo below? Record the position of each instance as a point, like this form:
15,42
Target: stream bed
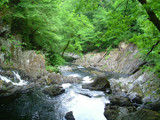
35,105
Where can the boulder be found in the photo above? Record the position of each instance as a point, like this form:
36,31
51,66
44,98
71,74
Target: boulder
119,106
69,116
100,83
135,98
33,64
114,112
53,90
111,112
117,100
56,78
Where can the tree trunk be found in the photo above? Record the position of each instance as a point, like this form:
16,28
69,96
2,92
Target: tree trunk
152,16
65,48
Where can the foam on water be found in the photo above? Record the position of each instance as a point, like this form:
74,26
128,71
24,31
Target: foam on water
85,108
5,79
66,85
20,83
87,79
80,67
74,75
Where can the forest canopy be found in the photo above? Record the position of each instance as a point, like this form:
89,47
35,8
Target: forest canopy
58,26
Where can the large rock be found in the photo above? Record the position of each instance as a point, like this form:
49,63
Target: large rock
53,90
57,78
121,101
100,83
33,64
119,106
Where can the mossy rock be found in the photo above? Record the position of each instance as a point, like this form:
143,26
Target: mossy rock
100,83
48,81
143,114
1,82
54,90
96,72
138,90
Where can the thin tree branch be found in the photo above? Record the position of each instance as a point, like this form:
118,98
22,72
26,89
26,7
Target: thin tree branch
152,49
65,48
126,8
118,6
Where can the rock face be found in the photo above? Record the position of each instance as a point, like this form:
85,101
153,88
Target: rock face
100,83
69,116
122,60
53,90
141,87
33,64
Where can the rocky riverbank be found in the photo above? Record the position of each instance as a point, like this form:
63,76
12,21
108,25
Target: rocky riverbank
133,96
30,69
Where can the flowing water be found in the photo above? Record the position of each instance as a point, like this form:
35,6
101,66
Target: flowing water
85,104
16,76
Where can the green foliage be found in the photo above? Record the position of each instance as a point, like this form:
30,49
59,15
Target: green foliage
52,68
145,40
3,3
48,26
3,49
16,43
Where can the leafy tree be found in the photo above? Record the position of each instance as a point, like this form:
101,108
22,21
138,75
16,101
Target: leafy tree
56,26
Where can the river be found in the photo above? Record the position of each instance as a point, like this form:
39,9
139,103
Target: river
35,105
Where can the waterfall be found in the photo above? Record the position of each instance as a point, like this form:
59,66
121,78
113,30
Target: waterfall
17,76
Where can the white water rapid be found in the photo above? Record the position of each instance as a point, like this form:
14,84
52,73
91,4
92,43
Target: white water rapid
17,76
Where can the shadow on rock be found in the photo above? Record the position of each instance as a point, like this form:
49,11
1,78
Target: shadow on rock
53,90
100,83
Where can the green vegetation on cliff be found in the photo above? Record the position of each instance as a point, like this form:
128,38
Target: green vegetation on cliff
59,26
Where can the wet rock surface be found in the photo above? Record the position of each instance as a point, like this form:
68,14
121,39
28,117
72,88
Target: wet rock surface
100,83
69,116
120,105
9,92
14,82
53,90
117,100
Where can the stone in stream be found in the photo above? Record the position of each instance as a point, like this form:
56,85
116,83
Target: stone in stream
69,116
100,83
53,90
